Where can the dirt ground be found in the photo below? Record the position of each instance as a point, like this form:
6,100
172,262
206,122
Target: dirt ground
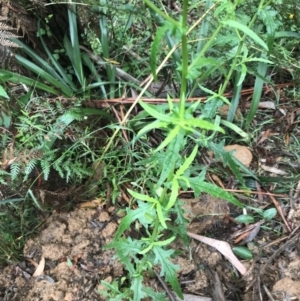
75,261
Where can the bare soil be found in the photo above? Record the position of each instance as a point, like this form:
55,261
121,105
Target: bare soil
75,261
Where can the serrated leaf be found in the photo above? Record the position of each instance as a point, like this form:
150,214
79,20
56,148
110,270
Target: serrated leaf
269,213
137,288
195,181
242,252
245,219
132,215
154,295
249,32
126,250
218,192
168,269
172,155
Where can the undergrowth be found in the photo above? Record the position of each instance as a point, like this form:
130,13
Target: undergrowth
230,42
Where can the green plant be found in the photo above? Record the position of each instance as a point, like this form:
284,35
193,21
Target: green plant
175,158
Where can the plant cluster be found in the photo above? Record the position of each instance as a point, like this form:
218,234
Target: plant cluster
231,41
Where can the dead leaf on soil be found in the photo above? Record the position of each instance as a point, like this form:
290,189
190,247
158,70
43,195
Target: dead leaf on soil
40,269
242,153
224,248
188,297
273,170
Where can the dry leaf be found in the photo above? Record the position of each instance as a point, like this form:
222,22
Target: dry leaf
40,269
242,153
273,170
223,111
223,247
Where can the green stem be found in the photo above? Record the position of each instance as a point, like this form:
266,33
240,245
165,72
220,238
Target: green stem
184,73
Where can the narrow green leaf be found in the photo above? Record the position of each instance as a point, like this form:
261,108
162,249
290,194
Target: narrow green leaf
235,128
173,133
242,252
166,242
249,32
147,249
142,197
151,126
258,88
152,111
174,194
161,216
17,78
242,75
287,34
203,124
188,161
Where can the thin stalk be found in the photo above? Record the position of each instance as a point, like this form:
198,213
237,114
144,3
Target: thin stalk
184,48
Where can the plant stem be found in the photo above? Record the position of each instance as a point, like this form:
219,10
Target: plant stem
185,58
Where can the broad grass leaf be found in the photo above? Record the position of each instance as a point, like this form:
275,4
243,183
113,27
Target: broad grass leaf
258,87
43,74
287,34
249,32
